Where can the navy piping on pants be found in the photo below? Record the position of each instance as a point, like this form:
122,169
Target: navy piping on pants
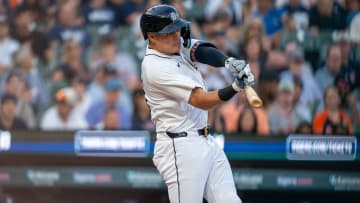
177,172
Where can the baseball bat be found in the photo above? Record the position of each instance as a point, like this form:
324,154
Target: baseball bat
253,97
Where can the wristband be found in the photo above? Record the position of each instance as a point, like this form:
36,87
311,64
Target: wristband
226,93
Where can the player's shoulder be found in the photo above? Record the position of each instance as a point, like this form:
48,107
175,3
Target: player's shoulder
156,67
157,61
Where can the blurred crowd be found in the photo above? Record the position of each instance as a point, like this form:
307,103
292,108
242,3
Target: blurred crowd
75,64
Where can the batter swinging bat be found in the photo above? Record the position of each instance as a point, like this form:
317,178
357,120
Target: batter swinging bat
252,97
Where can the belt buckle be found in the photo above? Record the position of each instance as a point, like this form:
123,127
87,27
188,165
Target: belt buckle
206,131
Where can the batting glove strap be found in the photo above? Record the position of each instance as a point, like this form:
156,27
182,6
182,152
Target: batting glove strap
238,85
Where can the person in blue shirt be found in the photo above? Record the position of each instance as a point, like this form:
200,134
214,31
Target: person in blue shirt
270,16
295,10
97,12
69,26
97,110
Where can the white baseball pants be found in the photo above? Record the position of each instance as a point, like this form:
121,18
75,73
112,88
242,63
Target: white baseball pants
194,167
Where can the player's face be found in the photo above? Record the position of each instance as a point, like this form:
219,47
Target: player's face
166,43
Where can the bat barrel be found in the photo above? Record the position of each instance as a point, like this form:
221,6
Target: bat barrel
252,97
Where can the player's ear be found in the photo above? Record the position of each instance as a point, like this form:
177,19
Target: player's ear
153,35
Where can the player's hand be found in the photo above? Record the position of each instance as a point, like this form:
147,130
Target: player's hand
235,66
243,79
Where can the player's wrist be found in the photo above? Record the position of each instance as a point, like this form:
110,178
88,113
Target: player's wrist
227,93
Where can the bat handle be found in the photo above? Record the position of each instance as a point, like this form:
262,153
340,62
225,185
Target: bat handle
253,97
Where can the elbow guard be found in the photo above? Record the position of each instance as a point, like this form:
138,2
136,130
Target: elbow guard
207,53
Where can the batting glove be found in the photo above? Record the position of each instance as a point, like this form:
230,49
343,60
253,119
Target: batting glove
235,66
243,79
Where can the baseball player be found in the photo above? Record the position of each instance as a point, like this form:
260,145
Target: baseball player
186,156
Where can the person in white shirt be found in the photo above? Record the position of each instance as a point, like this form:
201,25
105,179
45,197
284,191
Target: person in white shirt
8,46
192,164
61,116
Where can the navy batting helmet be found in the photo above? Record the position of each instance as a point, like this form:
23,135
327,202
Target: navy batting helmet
161,19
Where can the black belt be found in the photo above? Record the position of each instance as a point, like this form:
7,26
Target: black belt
202,132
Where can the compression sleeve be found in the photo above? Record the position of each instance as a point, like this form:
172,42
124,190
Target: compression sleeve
209,55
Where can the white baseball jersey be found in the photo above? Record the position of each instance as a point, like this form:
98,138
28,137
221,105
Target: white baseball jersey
168,82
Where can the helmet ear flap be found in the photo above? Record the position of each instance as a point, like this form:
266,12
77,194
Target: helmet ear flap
186,35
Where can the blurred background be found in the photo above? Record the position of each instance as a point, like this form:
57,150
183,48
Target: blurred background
70,65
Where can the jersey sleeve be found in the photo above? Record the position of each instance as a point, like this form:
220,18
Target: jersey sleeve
166,78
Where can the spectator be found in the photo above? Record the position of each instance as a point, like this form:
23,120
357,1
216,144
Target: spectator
270,16
102,74
332,120
301,109
38,13
69,26
123,63
255,54
352,8
325,76
23,25
296,11
96,12
24,60
45,55
79,84
232,8
277,61
254,28
96,111
347,82
111,119
141,119
8,118
327,15
15,85
73,64
250,7
222,42
8,46
311,94
128,11
247,123
231,111
283,118
267,86
61,116
349,77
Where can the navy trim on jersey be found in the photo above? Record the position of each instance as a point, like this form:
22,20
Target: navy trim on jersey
177,172
157,56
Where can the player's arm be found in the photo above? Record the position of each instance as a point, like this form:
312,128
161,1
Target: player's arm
208,54
204,100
